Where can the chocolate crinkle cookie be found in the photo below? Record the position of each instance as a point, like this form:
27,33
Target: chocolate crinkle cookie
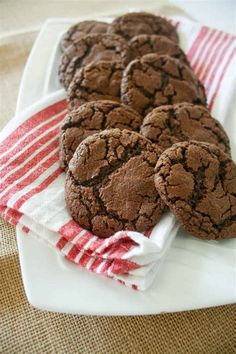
133,24
151,43
92,48
81,29
154,80
166,125
198,182
110,183
91,118
98,81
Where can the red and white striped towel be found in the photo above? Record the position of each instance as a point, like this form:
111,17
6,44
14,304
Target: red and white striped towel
32,183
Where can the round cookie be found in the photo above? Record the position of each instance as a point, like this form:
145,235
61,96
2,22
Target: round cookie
154,80
110,183
96,81
133,24
198,182
92,48
90,118
167,125
81,29
151,43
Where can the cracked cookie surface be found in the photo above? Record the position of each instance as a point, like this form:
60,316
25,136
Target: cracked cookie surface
154,80
198,182
96,81
167,125
92,48
81,29
89,119
133,24
110,183
161,45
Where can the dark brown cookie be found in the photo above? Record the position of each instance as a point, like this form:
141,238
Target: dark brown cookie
167,125
151,43
198,182
90,118
153,81
133,24
98,81
81,29
110,183
92,48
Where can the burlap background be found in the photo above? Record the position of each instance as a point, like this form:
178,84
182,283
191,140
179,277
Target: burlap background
24,329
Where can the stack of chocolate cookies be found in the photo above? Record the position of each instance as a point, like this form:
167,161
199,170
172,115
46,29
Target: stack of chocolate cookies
138,137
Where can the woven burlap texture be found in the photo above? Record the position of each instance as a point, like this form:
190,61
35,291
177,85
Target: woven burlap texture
24,329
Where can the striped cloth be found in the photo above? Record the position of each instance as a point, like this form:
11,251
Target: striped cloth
32,183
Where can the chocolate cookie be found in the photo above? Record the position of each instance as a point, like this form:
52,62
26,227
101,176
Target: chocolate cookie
133,24
151,43
98,81
153,81
81,29
166,125
90,118
198,182
110,183
92,48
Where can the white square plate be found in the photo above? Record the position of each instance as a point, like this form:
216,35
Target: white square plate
195,274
